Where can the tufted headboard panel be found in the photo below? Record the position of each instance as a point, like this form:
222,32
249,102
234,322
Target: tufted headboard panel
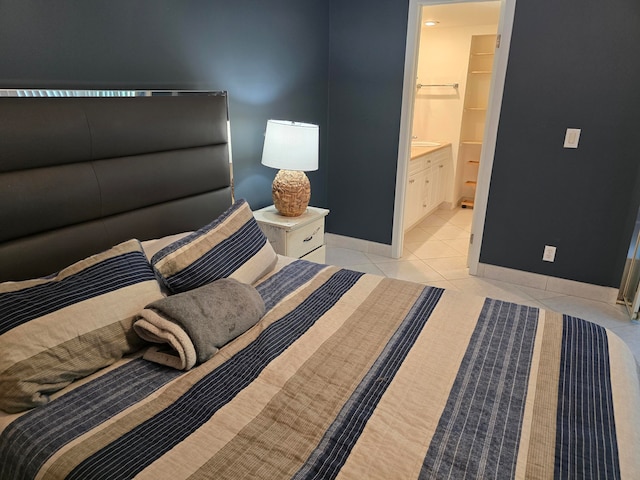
81,174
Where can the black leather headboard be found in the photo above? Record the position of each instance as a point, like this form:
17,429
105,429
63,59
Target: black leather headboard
79,175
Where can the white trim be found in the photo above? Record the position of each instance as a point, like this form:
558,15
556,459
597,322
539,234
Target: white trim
505,27
548,283
406,115
357,244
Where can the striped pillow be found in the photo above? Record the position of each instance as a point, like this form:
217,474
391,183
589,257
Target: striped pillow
231,246
57,329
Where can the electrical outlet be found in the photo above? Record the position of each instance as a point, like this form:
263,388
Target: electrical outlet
571,138
549,254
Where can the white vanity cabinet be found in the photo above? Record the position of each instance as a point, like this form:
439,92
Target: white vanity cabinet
427,184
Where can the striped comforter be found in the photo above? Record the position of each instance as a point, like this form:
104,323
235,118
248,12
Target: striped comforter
354,376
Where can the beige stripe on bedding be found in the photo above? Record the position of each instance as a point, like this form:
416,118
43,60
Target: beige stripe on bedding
289,427
527,416
542,440
397,436
68,457
626,397
188,456
8,418
261,263
57,366
76,320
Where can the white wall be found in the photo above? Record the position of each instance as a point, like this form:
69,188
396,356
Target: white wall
443,58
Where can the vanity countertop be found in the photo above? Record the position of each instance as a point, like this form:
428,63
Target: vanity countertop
418,151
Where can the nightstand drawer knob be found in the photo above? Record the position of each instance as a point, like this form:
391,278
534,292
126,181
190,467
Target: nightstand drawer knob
310,237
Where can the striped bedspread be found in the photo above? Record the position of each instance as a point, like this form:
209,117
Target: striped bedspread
354,376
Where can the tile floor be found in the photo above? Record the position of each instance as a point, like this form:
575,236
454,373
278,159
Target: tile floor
435,253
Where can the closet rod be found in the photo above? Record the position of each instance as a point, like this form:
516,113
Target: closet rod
452,85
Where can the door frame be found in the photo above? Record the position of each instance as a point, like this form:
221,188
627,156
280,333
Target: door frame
505,27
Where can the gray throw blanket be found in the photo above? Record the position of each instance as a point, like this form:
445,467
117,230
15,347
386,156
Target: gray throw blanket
197,323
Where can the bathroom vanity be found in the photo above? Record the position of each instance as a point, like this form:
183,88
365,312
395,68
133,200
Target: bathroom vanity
428,178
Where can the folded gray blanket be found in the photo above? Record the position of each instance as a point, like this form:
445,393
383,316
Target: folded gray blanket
197,323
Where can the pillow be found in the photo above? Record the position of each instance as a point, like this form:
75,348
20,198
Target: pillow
151,247
231,246
57,329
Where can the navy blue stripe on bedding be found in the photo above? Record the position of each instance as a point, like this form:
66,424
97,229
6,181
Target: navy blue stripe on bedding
106,276
222,260
181,242
586,444
28,442
479,431
150,440
286,280
329,456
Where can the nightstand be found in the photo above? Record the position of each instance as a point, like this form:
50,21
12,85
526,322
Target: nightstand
298,237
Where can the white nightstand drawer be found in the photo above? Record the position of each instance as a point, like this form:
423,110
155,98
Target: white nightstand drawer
294,236
305,239
318,255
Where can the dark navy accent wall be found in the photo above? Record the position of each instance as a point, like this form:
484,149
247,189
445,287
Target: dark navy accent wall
272,58
571,64
366,71
340,64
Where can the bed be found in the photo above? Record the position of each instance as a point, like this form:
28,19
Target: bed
340,375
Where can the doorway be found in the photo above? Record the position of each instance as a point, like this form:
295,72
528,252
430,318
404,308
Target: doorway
411,82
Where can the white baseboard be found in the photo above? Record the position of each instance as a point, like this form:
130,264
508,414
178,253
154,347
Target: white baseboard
364,246
519,277
549,283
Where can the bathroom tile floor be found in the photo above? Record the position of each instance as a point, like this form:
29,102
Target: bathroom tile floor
435,253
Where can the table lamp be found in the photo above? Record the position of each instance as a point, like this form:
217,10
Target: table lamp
291,147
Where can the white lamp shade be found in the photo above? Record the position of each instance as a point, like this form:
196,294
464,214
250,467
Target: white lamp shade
291,145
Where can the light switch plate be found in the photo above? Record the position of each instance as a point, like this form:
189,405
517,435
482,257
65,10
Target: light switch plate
571,138
549,254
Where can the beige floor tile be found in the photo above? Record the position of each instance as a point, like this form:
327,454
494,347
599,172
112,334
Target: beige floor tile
460,245
366,268
630,334
539,294
432,249
495,289
604,314
406,255
442,232
446,214
451,268
343,256
416,235
458,216
412,270
443,284
433,221
451,232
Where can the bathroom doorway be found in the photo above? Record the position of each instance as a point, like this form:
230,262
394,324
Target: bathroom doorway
455,60
437,70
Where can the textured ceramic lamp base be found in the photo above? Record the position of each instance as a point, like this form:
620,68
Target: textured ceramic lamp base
291,192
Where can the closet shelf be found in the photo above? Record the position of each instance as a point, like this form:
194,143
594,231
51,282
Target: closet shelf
474,112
